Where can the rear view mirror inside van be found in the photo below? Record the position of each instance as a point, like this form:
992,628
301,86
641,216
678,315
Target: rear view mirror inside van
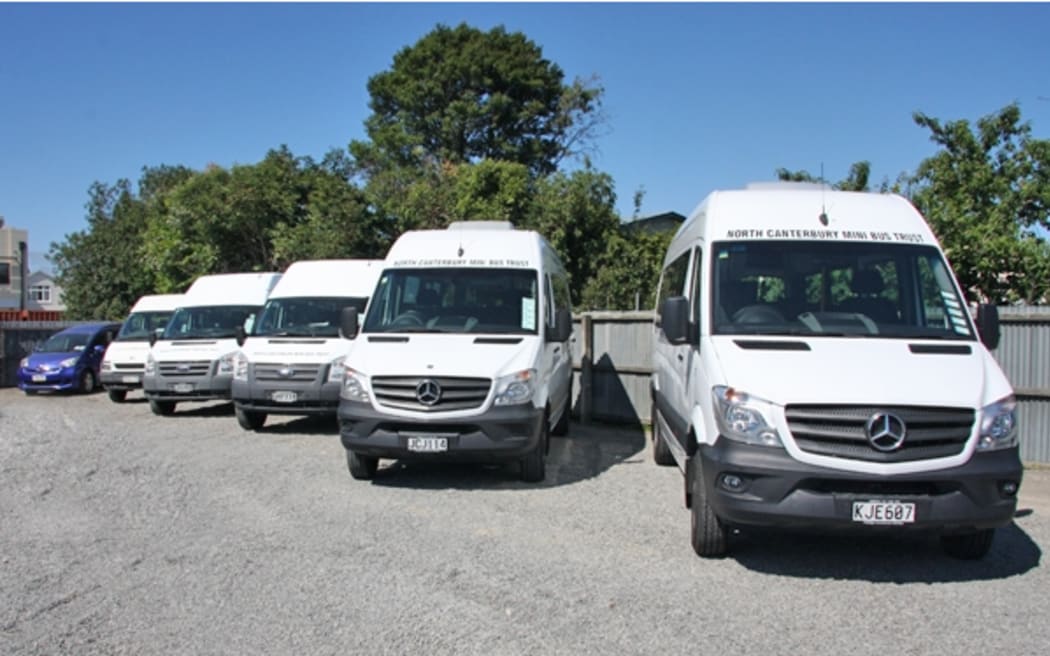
674,319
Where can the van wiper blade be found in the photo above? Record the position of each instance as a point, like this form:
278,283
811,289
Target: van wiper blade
414,330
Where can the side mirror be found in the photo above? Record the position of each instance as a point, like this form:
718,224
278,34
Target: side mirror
674,319
348,322
988,324
240,334
562,328
155,335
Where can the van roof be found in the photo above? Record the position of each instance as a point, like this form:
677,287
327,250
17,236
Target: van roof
469,247
157,303
338,278
805,213
230,289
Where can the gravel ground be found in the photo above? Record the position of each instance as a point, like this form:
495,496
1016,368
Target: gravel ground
121,532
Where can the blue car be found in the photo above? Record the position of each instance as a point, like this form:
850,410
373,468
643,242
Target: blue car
68,360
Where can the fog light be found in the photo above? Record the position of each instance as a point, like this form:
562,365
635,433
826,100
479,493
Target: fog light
733,483
1008,488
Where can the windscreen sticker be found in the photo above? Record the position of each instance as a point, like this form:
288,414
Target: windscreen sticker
528,313
846,235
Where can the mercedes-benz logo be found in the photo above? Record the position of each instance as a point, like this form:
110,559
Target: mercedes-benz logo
428,392
885,431
286,372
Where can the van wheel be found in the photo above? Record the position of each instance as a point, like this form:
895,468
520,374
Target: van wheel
534,464
87,382
968,546
117,396
362,468
163,408
661,452
250,420
708,535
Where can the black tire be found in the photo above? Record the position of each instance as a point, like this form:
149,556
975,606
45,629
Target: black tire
249,419
362,468
661,452
968,546
163,408
86,384
709,536
30,392
117,396
534,464
561,429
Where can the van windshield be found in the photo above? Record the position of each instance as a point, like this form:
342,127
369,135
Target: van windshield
454,300
304,317
835,288
140,325
209,322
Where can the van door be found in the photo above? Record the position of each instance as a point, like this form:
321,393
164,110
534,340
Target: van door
558,354
670,360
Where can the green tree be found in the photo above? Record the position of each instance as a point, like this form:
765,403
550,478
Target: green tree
857,180
627,272
986,194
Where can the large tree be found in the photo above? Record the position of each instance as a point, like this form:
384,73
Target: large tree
857,180
986,194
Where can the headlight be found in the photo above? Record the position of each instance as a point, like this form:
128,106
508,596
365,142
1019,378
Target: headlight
336,369
743,418
515,388
68,362
24,363
240,366
998,425
355,386
226,363
151,366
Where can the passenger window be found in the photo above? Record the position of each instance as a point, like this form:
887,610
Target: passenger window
695,295
672,282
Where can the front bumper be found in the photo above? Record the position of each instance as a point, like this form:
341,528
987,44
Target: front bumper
187,388
782,492
47,381
314,398
503,433
121,380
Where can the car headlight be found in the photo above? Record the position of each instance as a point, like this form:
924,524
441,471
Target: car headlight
240,366
226,363
515,388
355,386
151,366
68,362
336,370
998,425
744,418
24,363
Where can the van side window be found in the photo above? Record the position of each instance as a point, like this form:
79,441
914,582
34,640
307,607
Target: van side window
672,282
694,295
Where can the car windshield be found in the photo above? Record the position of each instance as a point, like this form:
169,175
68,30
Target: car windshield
209,322
454,300
140,325
835,288
304,317
65,343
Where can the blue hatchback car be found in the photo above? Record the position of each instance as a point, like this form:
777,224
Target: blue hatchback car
68,360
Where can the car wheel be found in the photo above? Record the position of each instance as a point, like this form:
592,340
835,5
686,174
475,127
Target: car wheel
661,452
248,419
534,464
117,396
362,468
709,536
30,392
87,382
163,408
968,546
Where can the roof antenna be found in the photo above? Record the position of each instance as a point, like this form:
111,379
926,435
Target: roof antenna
823,208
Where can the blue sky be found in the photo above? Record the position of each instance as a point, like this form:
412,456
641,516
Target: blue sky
697,96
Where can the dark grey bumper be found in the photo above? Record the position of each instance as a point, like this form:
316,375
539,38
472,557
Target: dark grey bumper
505,433
311,398
170,388
117,380
783,492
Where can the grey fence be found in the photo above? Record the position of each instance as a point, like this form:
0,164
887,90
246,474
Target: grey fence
18,339
612,356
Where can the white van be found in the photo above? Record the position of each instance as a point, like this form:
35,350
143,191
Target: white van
463,353
815,366
193,359
125,358
291,363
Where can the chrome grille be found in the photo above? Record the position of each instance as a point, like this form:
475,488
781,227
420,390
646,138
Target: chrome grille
279,372
456,393
128,367
190,368
839,431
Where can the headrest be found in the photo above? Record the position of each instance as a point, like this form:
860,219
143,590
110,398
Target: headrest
867,282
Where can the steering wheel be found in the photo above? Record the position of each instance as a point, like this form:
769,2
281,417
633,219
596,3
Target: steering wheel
757,314
406,320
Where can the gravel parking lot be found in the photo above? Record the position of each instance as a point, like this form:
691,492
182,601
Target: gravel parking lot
122,532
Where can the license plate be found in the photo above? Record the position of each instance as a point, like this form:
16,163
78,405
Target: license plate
130,379
883,512
39,378
427,444
182,388
284,397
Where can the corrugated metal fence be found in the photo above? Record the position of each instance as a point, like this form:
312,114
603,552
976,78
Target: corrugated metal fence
18,339
612,354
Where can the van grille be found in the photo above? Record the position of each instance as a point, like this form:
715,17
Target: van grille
298,373
456,393
840,431
191,368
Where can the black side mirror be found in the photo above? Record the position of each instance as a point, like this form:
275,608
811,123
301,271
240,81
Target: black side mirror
155,335
240,334
674,319
988,325
348,322
562,328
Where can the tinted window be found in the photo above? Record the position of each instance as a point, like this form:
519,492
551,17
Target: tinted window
672,282
304,317
140,325
208,322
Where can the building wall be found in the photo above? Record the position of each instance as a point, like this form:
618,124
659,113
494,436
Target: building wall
10,266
